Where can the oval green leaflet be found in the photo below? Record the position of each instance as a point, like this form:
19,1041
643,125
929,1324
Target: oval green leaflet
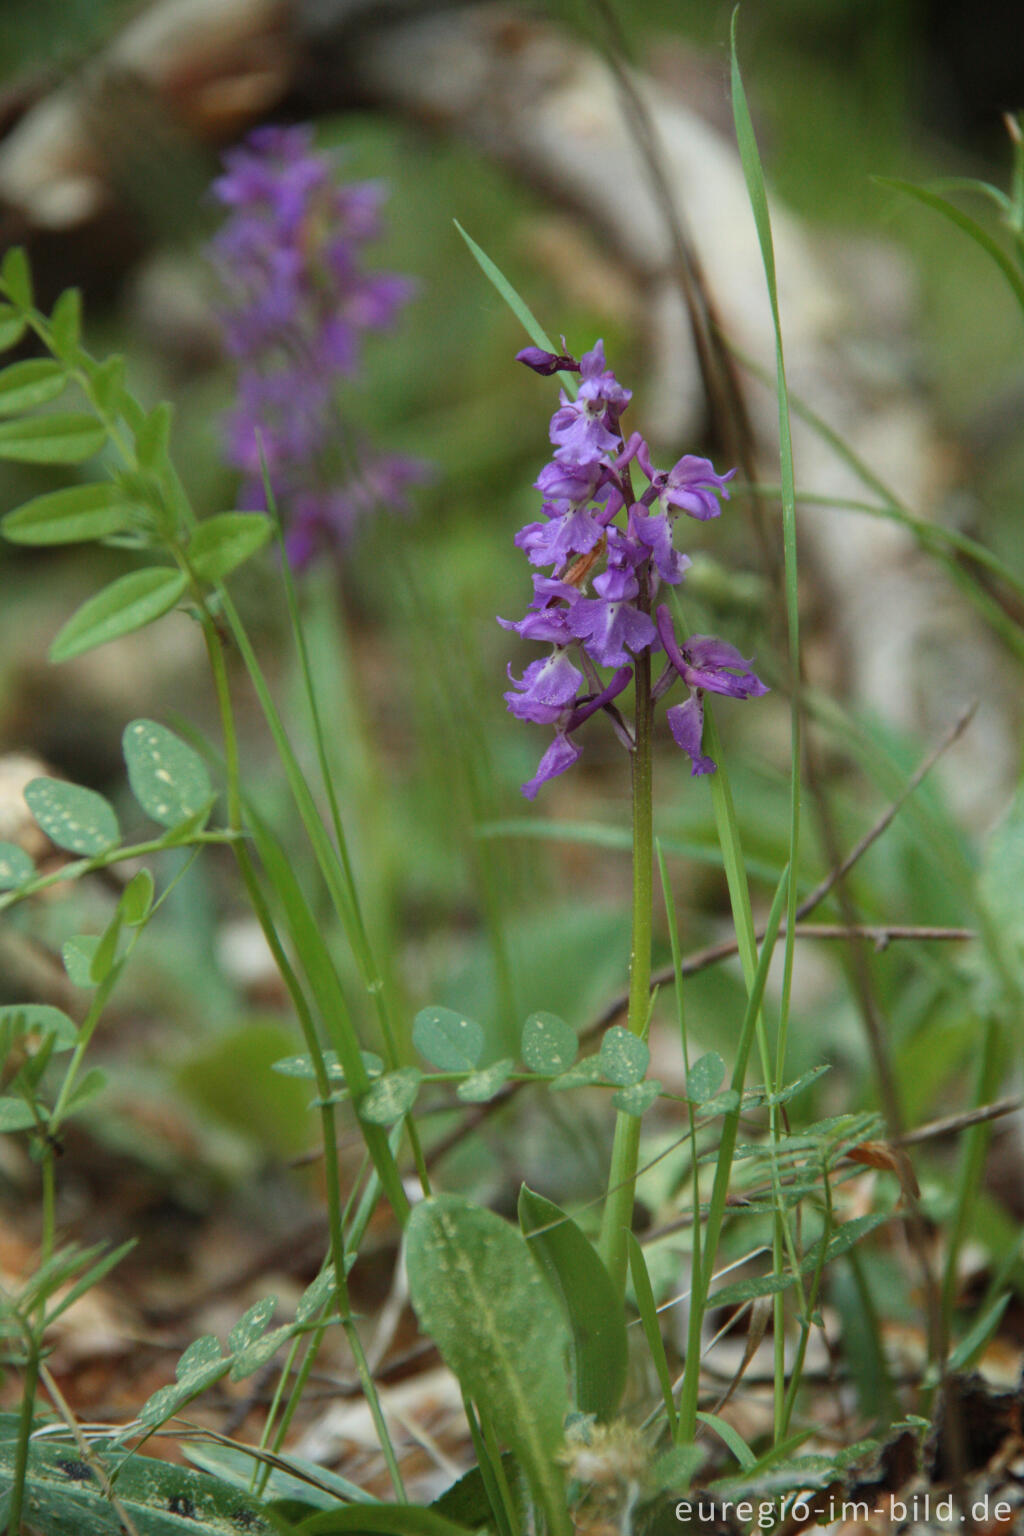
58,439
71,516
129,603
221,544
72,817
168,778
34,382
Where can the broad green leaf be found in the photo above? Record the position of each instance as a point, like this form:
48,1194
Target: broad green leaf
64,1495
73,817
638,1097
705,1078
623,1056
168,779
548,1044
391,1096
78,954
380,1520
480,1296
588,1299
12,327
16,868
72,516
16,1115
42,1019
66,322
137,899
252,1324
25,385
57,439
17,276
129,603
222,543
447,1039
479,1087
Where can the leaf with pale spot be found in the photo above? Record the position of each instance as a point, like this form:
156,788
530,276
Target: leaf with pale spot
16,868
448,1039
168,779
548,1044
72,817
623,1056
391,1096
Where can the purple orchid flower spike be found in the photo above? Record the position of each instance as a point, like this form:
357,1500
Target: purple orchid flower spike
595,606
297,304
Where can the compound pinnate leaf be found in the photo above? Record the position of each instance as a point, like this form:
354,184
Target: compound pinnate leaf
548,1044
16,868
129,603
623,1056
252,1324
72,817
71,516
58,439
168,779
448,1039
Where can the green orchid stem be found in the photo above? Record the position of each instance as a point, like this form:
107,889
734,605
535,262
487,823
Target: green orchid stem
618,1208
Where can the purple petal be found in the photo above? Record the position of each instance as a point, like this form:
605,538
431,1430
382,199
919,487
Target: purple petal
561,754
686,722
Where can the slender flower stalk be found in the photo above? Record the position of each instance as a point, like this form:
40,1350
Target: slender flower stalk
606,551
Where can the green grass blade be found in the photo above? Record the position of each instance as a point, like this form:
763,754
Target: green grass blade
964,222
517,304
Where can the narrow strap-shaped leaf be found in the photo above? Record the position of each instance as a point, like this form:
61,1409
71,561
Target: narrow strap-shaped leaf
649,1321
574,1268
